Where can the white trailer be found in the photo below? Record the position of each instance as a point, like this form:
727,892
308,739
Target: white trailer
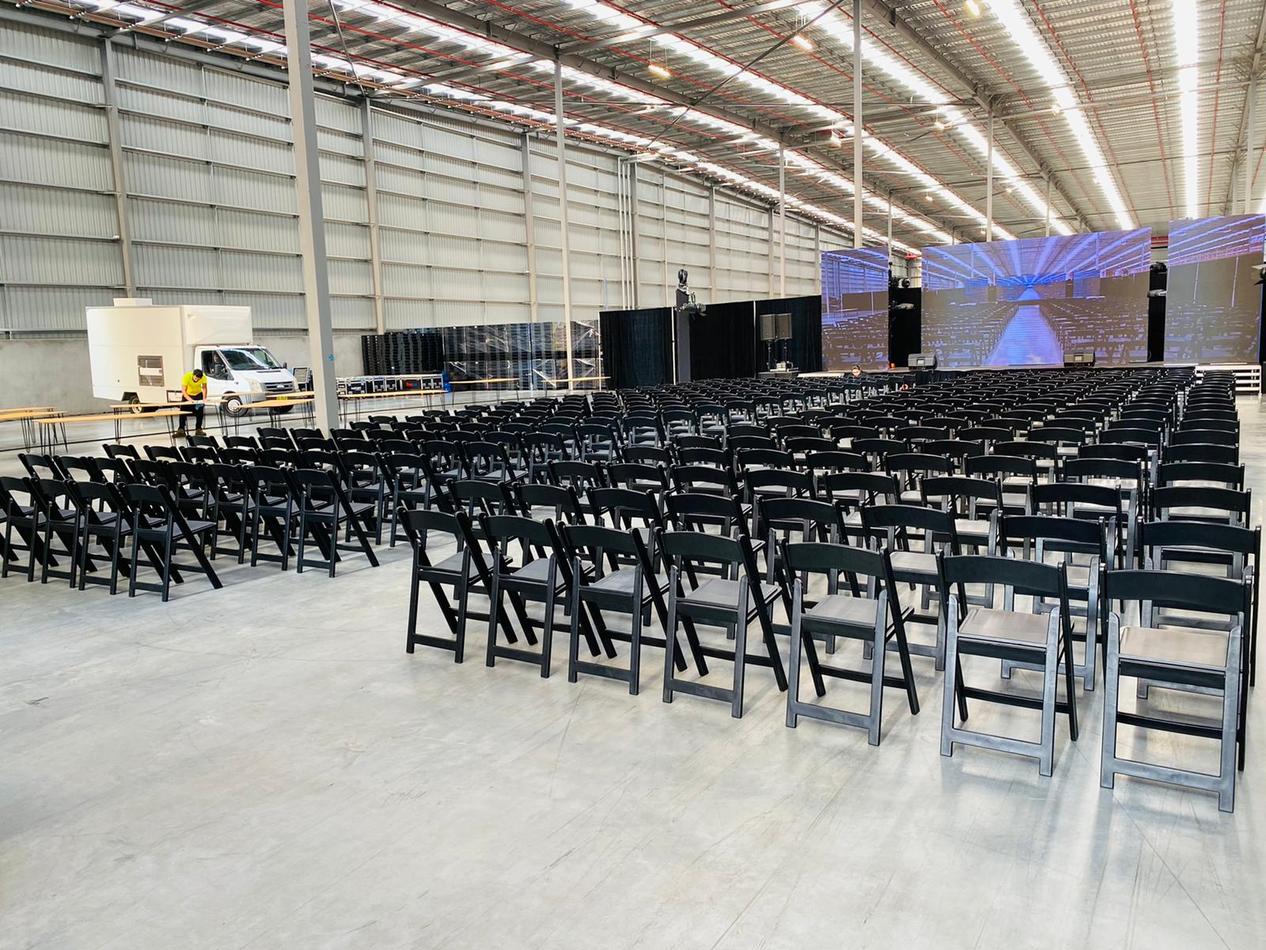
139,352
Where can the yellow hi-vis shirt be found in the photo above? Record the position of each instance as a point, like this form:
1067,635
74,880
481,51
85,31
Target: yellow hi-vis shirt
193,388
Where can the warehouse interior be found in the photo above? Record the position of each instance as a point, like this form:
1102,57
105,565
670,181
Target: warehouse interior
703,474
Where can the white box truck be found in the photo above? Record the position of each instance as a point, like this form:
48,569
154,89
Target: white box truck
139,352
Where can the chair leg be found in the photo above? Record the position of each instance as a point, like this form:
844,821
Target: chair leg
740,654
876,687
547,633
793,661
573,632
670,637
414,584
494,611
1111,696
462,596
953,673
1230,733
1050,694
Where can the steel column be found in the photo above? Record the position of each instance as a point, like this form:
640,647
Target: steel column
712,241
529,228
634,235
371,204
769,242
817,258
1249,133
782,221
989,180
857,123
563,226
889,224
1048,205
114,132
316,278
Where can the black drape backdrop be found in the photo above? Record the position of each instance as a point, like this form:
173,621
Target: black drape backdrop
905,324
1157,280
723,341
804,351
637,347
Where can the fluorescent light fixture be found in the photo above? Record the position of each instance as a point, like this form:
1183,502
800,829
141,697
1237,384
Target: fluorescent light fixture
1015,19
658,71
972,7
879,57
803,42
1187,52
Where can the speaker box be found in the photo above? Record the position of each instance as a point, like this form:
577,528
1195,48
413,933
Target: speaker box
782,326
922,361
768,327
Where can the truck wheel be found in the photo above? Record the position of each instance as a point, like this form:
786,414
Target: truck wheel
233,405
282,410
135,402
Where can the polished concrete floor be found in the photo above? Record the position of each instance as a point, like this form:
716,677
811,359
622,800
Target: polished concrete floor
264,766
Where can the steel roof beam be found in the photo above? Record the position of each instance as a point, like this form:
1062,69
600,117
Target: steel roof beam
884,12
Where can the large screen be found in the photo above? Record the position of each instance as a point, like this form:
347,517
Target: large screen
1028,302
1213,305
854,309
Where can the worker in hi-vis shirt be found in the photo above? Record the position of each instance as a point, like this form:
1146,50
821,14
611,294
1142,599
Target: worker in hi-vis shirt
193,390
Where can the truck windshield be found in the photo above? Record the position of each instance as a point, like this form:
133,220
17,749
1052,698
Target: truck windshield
249,358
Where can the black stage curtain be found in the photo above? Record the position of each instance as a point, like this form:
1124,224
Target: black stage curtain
804,350
637,347
723,341
905,327
1158,278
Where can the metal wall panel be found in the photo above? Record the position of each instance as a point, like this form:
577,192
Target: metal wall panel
208,166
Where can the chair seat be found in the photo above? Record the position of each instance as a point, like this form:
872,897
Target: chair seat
844,610
1198,513
714,592
1178,647
621,582
450,565
1004,626
914,562
972,527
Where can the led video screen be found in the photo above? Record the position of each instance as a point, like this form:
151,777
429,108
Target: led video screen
854,309
1213,303
1030,301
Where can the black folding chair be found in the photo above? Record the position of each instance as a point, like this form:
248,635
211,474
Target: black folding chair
718,601
876,618
325,509
159,526
1029,639
1171,654
613,570
543,577
465,571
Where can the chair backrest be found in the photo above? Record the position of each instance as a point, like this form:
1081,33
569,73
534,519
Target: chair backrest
765,480
1201,452
854,489
1053,533
1180,591
690,510
1200,534
622,505
1236,504
1217,473
563,499
1021,576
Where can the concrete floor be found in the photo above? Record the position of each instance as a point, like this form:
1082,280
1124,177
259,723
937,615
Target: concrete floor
264,766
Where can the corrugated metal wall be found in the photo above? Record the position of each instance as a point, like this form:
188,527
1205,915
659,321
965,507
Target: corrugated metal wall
208,171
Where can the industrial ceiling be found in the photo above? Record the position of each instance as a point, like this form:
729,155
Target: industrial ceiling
1104,113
